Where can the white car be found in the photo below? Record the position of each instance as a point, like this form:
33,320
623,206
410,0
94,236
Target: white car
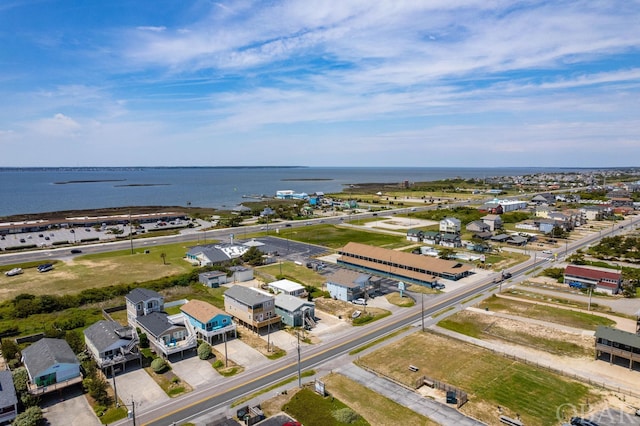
359,301
13,272
547,252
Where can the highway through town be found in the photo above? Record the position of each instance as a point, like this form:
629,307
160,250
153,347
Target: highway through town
215,397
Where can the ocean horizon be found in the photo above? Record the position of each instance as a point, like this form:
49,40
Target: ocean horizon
32,190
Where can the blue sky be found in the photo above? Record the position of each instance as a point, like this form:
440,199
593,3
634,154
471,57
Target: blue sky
327,83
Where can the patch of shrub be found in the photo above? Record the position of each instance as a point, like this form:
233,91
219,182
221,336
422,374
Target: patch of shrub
204,351
346,415
159,365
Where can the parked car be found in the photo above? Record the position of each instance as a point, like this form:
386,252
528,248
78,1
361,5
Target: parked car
359,301
547,252
76,251
45,267
13,272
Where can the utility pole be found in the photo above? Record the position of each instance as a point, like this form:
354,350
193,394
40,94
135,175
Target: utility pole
299,374
131,236
115,389
224,336
422,311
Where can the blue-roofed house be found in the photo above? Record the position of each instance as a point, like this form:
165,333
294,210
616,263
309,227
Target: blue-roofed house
51,365
209,322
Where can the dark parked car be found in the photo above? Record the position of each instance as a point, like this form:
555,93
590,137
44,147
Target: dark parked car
76,251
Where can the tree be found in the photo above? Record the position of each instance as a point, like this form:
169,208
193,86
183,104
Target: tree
159,365
10,349
32,416
204,351
253,256
446,253
75,341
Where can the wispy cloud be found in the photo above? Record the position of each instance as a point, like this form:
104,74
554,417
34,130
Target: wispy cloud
371,76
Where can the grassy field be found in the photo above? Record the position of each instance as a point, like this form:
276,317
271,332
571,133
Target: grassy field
487,327
490,379
373,407
293,272
336,237
546,313
98,270
311,409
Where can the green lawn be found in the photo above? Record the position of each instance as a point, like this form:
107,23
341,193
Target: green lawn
490,379
293,272
546,313
311,409
336,237
485,327
99,270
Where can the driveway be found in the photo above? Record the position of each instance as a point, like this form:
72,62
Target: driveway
57,408
242,354
136,384
195,371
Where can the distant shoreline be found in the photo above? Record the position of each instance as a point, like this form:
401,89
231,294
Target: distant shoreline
66,182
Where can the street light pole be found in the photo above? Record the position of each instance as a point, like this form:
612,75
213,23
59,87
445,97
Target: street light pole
299,374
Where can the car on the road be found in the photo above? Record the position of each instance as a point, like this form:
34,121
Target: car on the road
76,251
547,252
45,267
287,225
439,286
506,275
13,272
359,301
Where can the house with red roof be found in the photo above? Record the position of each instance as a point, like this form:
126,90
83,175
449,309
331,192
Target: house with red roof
603,280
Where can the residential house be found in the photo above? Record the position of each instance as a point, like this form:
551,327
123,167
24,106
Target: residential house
450,240
213,279
209,322
167,334
240,274
450,225
111,344
493,220
251,307
431,237
478,226
51,365
592,212
295,312
617,346
8,398
543,211
414,235
599,279
347,285
542,199
142,301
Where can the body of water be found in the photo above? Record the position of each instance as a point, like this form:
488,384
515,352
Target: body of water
35,190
